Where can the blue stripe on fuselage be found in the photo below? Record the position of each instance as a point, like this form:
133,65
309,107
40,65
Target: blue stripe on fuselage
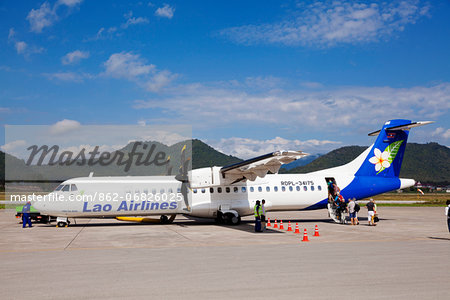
362,187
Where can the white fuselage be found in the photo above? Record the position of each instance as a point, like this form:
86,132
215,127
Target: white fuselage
157,195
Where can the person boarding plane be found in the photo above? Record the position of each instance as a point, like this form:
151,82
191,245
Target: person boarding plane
230,192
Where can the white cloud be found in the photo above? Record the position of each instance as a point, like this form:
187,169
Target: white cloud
64,126
327,109
132,67
330,23
46,15
247,148
441,133
11,146
159,80
166,11
133,20
74,57
68,76
70,3
41,17
20,47
126,65
11,34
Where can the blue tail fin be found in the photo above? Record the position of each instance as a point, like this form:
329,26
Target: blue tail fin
386,156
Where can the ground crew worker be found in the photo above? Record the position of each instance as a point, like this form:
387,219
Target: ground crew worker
447,212
263,215
26,219
258,212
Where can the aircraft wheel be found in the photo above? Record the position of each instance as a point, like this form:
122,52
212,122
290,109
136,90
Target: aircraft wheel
62,224
164,219
234,220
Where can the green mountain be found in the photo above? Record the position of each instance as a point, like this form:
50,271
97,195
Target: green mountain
424,162
202,156
428,163
206,156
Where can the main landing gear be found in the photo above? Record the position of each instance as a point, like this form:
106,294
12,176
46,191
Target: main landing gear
62,222
228,217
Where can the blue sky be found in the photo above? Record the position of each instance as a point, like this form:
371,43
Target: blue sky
249,76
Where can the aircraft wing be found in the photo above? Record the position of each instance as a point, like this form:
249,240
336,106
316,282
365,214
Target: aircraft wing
259,166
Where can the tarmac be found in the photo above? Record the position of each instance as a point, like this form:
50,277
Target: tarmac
406,256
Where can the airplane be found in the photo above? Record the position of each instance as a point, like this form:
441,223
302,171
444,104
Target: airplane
230,192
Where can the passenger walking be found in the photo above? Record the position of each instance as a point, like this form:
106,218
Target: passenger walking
352,211
26,219
370,212
357,209
447,213
263,215
258,211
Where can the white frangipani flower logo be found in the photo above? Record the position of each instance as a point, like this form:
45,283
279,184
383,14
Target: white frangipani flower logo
380,160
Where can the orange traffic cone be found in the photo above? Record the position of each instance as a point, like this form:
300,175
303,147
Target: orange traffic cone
275,225
289,226
316,231
296,229
268,222
281,224
305,236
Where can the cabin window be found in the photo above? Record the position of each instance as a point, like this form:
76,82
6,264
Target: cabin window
312,188
305,187
267,188
275,188
145,191
73,188
203,191
211,190
235,189
319,187
59,187
243,189
162,191
219,190
170,191
66,188
227,189
252,189
153,191
297,188
195,191
136,192
259,189
283,188
179,190
291,189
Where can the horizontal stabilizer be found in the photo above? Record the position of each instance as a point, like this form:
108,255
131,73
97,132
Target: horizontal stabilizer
402,127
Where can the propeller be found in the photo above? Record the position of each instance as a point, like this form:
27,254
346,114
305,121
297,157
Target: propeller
183,177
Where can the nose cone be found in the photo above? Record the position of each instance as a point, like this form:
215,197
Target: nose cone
406,183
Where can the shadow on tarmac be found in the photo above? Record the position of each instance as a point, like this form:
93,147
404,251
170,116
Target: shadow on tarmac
439,238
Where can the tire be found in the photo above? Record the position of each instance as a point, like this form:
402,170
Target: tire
231,219
235,220
164,219
61,224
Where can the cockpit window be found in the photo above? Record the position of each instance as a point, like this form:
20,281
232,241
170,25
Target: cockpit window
66,188
59,187
73,188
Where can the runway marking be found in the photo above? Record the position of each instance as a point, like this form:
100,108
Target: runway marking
77,234
170,228
200,244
